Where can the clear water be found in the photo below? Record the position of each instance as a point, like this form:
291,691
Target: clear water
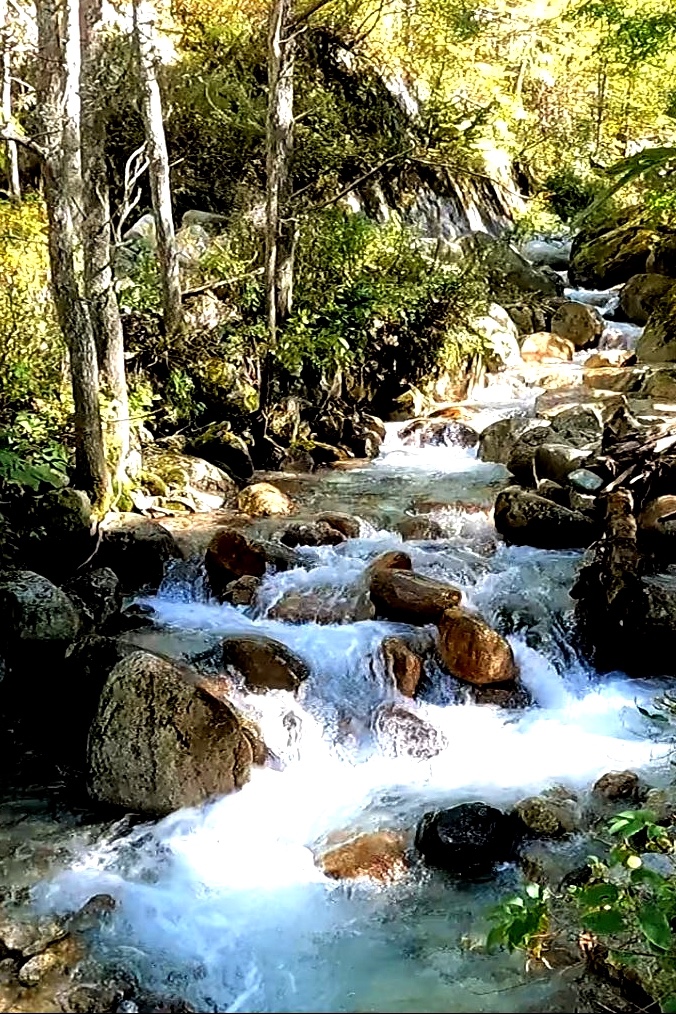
225,906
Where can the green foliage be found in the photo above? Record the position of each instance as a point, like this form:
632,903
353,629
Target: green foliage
522,922
569,193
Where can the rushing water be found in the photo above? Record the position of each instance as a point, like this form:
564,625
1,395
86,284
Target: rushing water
225,906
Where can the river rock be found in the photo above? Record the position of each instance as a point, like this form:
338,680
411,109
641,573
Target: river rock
617,785
610,357
137,550
584,481
554,253
404,667
507,270
497,440
501,338
546,817
551,490
660,386
263,500
625,379
526,519
219,445
160,742
169,474
578,323
601,260
229,556
545,347
263,663
380,856
579,425
521,459
242,591
394,559
65,518
642,293
403,733
467,840
474,652
36,614
657,527
420,528
662,257
403,596
97,596
438,432
657,344
345,523
320,605
556,461
312,533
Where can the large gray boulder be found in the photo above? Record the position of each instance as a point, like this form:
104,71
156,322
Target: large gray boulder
163,739
137,550
263,663
508,271
642,294
35,613
601,260
526,519
578,323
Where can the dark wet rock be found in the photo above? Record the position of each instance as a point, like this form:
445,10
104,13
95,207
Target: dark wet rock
403,733
321,605
551,490
601,260
420,529
436,432
498,439
97,595
474,652
379,856
579,425
403,666
406,597
657,527
345,523
578,323
218,444
467,840
394,559
229,556
65,537
641,295
526,519
508,271
510,696
263,500
161,741
137,550
557,461
521,458
36,615
657,344
242,591
312,533
615,786
263,663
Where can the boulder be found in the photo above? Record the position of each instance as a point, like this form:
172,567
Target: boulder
508,272
402,665
662,257
497,440
472,651
219,445
402,733
610,357
394,559
380,856
526,519
405,597
641,295
546,347
521,459
501,337
97,596
657,344
657,527
176,477
601,260
556,461
263,663
580,426
137,550
320,605
242,591
617,785
623,379
313,533
36,614
552,253
546,817
229,556
420,528
345,523
660,386
284,420
65,518
161,741
438,432
263,500
578,323
467,840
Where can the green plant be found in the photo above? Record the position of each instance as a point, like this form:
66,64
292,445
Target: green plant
522,923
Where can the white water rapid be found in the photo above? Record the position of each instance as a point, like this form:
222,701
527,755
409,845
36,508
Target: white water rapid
225,906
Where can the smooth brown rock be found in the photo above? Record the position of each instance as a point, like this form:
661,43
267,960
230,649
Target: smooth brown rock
345,523
578,323
402,665
263,663
161,741
312,533
321,606
600,260
243,591
394,559
229,556
474,652
420,528
379,856
622,379
556,461
137,550
546,347
263,500
406,597
616,785
610,357
657,344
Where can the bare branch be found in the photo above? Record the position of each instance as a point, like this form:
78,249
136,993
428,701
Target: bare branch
221,283
10,133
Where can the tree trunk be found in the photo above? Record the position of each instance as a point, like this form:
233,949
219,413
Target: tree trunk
280,230
158,159
59,110
11,148
101,298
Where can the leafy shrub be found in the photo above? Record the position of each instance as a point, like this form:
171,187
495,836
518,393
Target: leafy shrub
569,194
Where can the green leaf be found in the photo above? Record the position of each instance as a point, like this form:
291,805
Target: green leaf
495,938
533,890
598,894
668,1006
604,922
654,926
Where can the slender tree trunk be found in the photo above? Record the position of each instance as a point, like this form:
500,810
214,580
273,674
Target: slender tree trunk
59,109
158,169
11,148
101,298
280,230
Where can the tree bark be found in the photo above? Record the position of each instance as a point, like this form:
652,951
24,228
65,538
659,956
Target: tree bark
59,110
158,159
101,298
11,148
280,230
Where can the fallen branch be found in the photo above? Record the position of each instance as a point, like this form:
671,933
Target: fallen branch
221,283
